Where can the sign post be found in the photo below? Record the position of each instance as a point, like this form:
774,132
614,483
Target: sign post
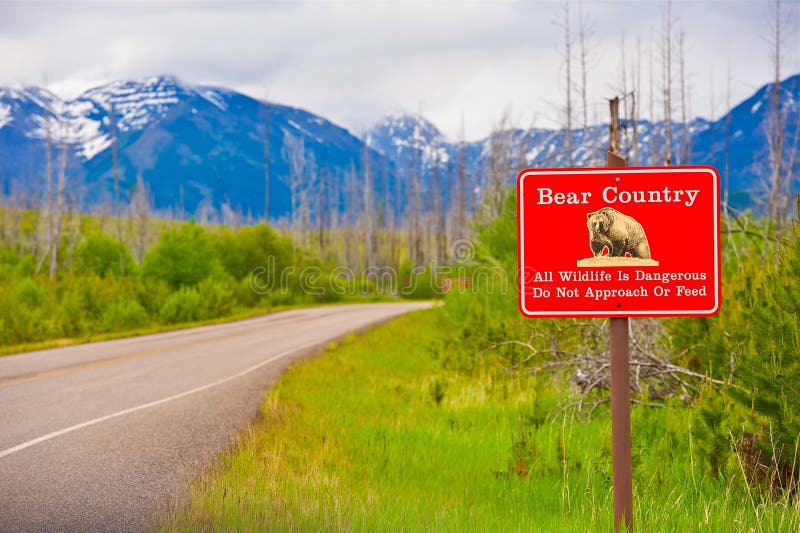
620,407
619,242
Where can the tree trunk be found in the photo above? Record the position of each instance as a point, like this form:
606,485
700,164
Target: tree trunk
55,242
568,68
266,162
667,70
775,197
115,170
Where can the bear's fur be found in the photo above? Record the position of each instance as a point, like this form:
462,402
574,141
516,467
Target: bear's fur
620,233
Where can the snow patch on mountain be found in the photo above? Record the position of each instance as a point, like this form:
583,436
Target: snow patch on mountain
136,103
304,131
5,115
402,136
213,97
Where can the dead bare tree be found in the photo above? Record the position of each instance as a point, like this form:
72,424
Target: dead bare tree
654,376
438,217
73,226
115,170
726,208
565,24
387,216
727,167
415,192
48,215
323,190
55,240
294,153
397,218
368,215
309,181
776,132
666,65
13,205
625,99
654,159
585,33
333,199
461,206
499,165
636,101
140,216
351,208
265,108
685,149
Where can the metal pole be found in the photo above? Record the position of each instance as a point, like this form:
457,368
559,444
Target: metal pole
620,410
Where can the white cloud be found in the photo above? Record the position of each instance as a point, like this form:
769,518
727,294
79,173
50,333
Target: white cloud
353,61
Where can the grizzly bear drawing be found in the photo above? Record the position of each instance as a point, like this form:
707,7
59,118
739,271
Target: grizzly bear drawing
621,234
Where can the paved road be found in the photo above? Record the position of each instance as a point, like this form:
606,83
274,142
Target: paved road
104,436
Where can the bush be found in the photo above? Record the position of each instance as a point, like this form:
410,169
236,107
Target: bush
329,289
245,295
30,294
15,319
100,254
181,306
242,250
216,298
182,258
121,316
210,299
768,367
755,339
152,294
420,286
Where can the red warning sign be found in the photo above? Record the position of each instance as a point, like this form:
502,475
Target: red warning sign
619,242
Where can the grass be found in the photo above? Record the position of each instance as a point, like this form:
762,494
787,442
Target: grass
240,313
376,436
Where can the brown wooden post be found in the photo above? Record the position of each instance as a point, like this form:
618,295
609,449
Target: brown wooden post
621,425
613,159
620,391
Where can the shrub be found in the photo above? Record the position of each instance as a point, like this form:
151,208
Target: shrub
29,293
100,254
184,305
124,315
182,258
242,250
245,295
328,289
152,294
216,298
15,319
420,286
768,368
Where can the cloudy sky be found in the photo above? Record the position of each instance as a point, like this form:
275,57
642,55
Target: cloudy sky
354,61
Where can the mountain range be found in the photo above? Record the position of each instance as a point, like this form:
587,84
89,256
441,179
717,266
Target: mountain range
197,146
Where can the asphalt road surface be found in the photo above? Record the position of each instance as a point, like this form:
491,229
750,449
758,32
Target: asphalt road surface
103,437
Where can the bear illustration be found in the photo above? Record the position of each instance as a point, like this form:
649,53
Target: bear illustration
617,231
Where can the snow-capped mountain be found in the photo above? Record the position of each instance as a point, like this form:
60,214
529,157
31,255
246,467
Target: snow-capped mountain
398,136
198,145
191,144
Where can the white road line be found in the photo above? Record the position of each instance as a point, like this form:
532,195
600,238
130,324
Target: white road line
148,405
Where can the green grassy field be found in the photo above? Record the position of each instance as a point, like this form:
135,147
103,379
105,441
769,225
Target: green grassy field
376,435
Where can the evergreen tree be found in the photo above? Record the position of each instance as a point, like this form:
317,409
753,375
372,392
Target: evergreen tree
768,363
